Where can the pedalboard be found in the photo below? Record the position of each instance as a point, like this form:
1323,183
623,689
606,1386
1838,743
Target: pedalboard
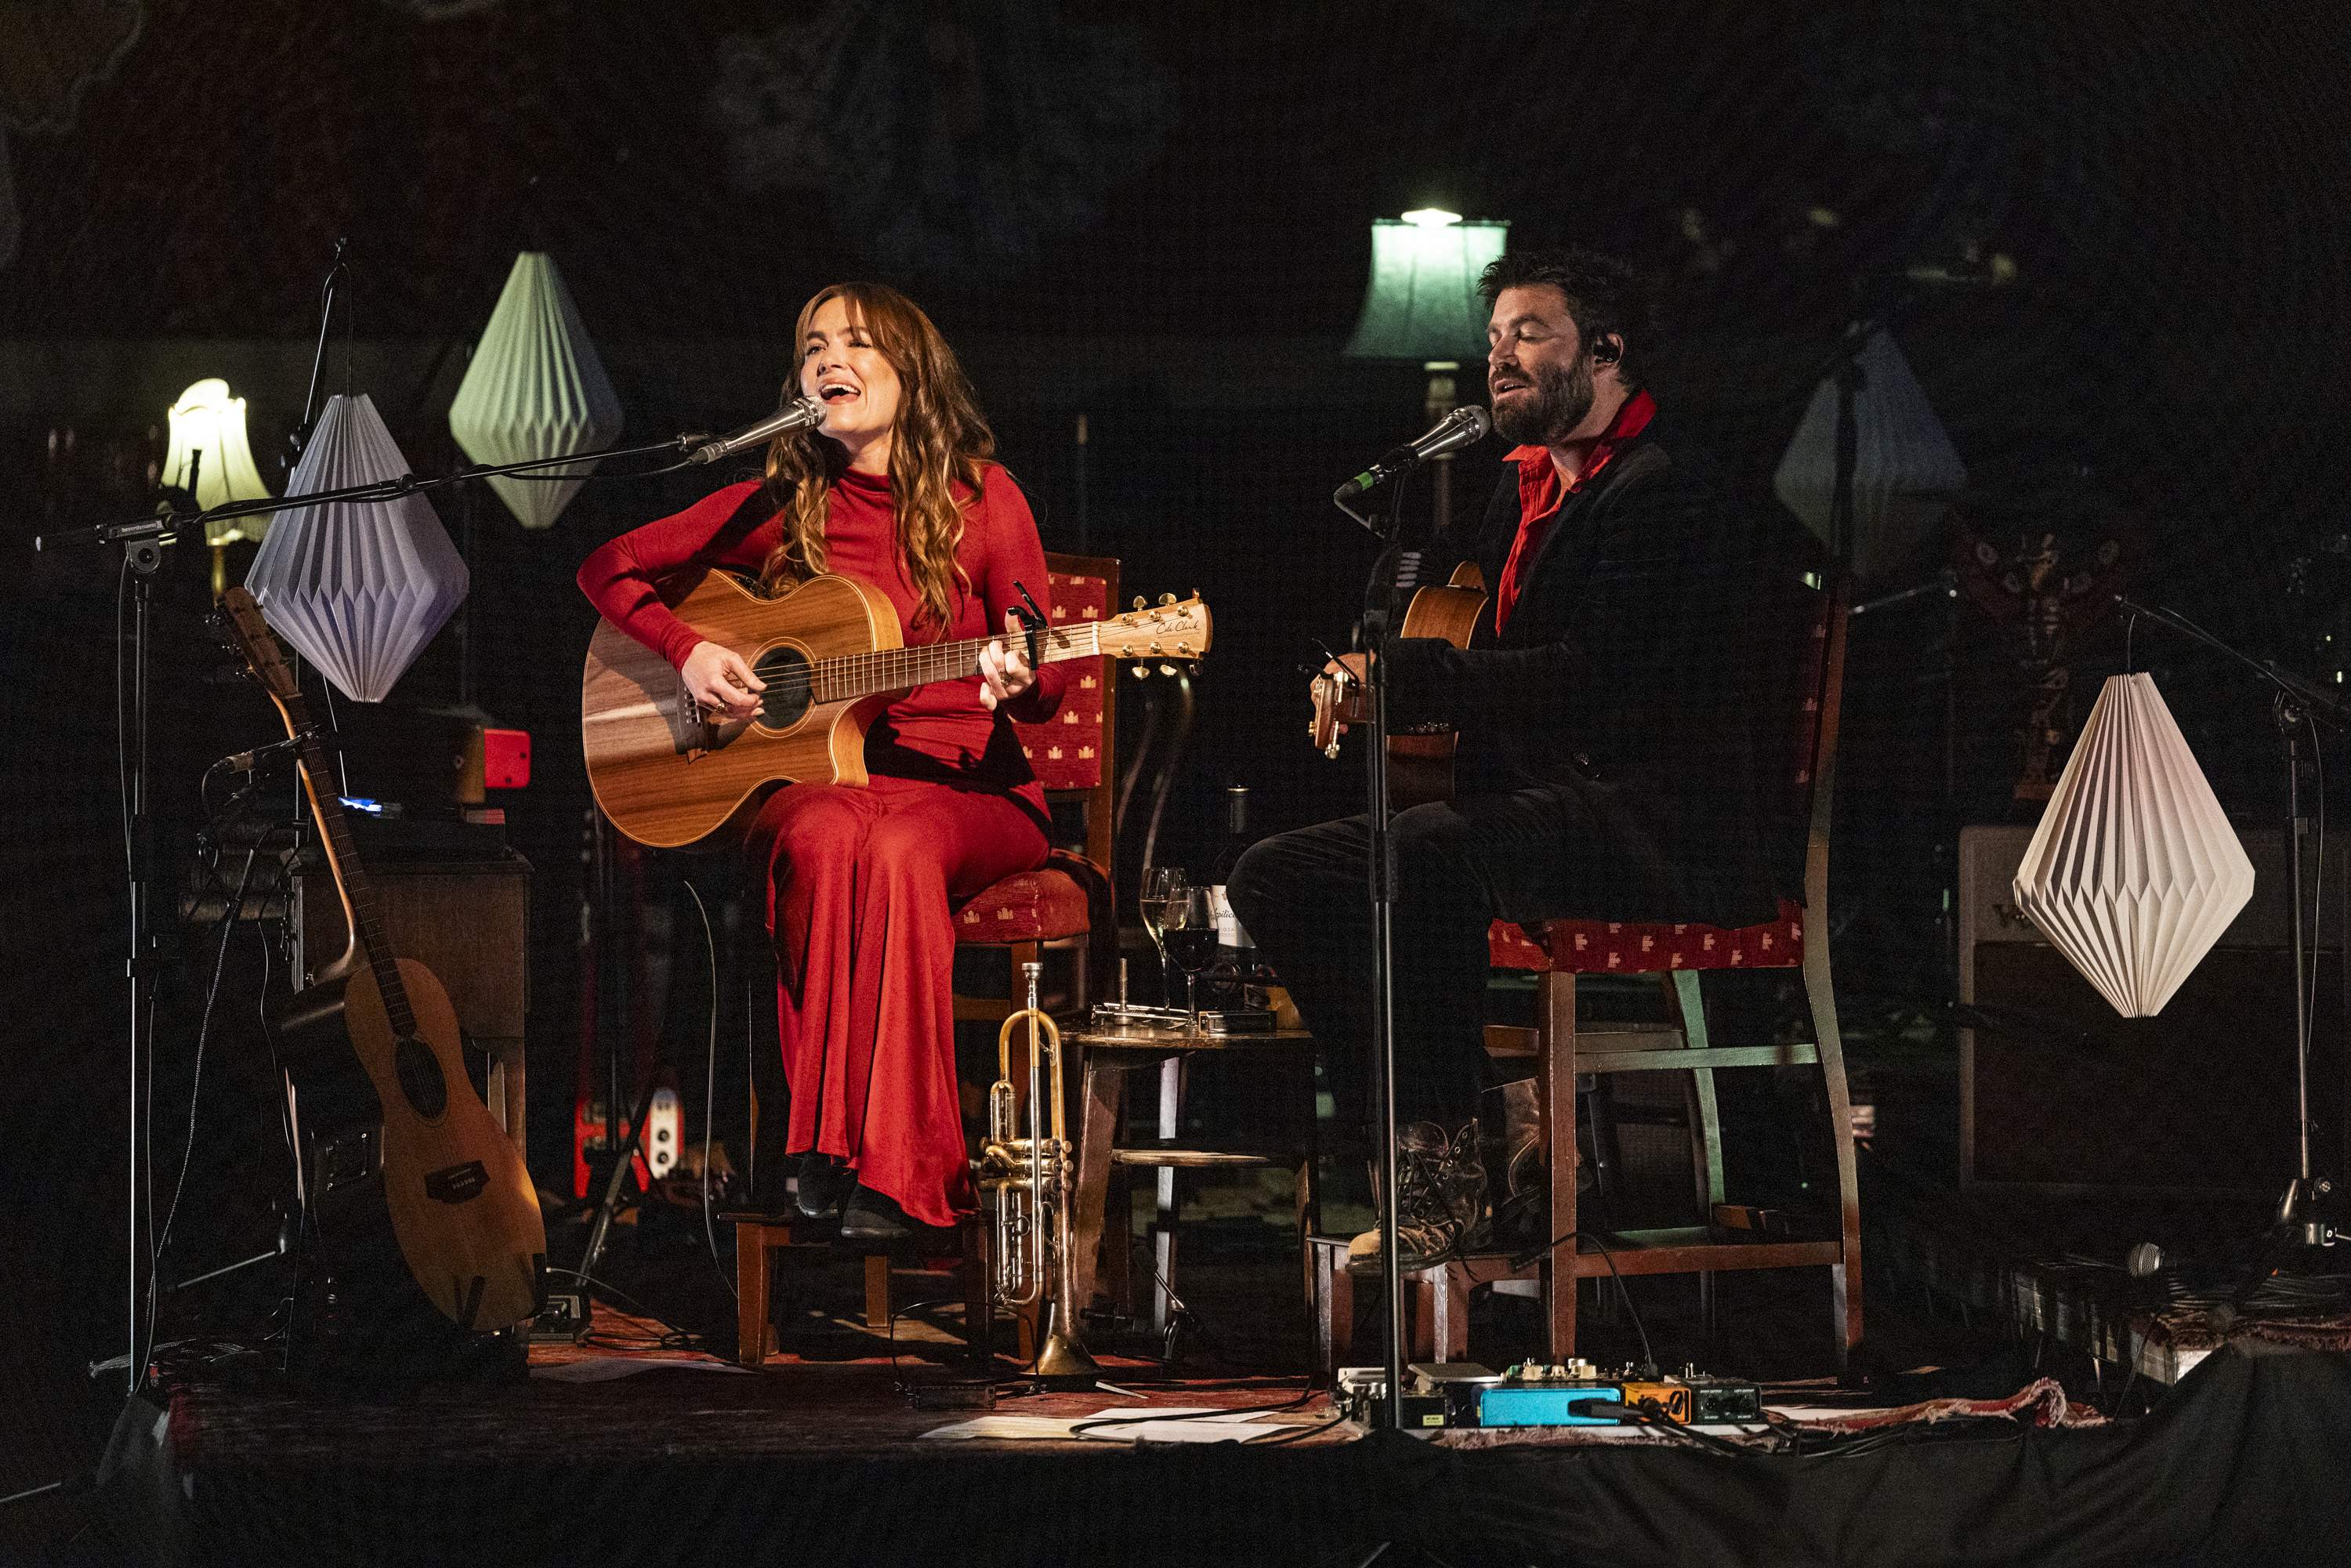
1442,1394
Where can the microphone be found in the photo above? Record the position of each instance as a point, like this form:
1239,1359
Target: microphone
798,415
1465,427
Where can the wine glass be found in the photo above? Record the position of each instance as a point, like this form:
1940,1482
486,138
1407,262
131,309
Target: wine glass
1160,883
1188,928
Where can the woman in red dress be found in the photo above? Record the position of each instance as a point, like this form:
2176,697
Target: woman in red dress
896,489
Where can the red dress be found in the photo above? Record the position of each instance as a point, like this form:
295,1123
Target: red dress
863,884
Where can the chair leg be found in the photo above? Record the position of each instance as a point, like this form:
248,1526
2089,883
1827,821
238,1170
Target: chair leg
1449,1293
754,1335
1555,1094
1103,1096
979,1294
877,1291
1704,1115
1845,1277
1334,1325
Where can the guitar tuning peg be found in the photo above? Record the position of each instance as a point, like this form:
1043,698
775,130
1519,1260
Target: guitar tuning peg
1166,600
1138,601
1185,649
1142,672
1169,670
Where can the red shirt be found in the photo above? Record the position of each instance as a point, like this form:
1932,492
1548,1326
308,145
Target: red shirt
1542,491
943,720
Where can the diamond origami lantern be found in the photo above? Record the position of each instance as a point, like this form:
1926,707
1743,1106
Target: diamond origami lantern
359,587
2134,872
1905,466
535,389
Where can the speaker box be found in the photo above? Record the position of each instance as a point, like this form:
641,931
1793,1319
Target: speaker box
466,921
2058,1092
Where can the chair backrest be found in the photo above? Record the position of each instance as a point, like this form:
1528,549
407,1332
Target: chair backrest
1070,752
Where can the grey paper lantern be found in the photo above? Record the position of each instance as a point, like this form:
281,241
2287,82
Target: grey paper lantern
1905,470
535,389
358,587
2134,870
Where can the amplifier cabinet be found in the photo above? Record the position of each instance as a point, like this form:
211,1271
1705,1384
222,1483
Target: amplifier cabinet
466,921
2058,1092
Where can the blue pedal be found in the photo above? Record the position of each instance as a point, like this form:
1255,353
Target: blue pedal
1545,1403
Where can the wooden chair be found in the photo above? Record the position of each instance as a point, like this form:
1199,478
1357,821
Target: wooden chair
1676,955
1066,902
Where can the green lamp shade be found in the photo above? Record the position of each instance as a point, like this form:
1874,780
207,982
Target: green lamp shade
1423,303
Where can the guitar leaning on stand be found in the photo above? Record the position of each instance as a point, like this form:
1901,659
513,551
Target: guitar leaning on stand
412,1159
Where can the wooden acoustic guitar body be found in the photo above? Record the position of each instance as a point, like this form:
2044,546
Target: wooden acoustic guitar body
440,1203
638,723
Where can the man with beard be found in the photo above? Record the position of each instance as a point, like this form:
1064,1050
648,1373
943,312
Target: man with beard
1622,715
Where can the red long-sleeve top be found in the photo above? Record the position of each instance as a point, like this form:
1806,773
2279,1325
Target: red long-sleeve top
936,731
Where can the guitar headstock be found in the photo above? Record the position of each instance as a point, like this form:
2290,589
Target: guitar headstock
1171,629
250,634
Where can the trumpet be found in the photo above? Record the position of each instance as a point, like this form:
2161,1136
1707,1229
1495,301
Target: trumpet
1029,1180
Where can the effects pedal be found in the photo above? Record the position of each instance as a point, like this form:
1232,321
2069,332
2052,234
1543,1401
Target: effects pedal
1578,1394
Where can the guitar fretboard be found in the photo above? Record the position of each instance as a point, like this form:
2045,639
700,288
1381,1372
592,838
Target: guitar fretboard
852,676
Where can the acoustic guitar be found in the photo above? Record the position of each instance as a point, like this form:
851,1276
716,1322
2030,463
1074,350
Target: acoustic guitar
671,775
420,1155
1420,758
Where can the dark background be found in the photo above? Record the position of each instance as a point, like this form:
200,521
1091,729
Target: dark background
1159,220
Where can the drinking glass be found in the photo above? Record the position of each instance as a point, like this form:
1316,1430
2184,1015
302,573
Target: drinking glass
1160,883
1188,928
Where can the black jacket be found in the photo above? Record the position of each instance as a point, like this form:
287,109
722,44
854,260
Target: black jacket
1650,667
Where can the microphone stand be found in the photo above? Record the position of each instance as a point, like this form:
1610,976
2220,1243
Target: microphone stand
1379,619
2308,1214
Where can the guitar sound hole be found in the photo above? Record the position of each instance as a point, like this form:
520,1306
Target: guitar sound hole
419,1071
787,697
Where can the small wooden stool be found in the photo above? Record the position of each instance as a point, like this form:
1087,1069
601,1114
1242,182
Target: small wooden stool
757,1238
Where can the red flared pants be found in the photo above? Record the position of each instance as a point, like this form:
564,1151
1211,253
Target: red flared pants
861,884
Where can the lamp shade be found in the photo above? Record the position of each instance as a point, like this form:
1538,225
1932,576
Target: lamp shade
1905,466
535,389
359,587
208,436
1423,303
2134,872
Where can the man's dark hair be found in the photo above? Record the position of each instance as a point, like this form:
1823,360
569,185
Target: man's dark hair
1605,296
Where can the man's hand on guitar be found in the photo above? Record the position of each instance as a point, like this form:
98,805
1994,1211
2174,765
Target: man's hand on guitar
721,682
1337,696
1004,672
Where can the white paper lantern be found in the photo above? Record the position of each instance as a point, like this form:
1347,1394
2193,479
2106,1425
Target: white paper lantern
359,587
208,435
1905,466
2134,870
535,389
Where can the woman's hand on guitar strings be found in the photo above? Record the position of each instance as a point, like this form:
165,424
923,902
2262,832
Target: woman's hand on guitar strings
721,682
1004,672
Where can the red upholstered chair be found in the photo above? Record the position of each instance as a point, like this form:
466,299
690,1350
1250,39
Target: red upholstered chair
1068,900
1679,955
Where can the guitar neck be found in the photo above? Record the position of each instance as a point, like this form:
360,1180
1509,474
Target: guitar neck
853,676
343,861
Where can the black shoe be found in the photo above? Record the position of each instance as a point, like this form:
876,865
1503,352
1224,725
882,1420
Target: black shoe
1441,1184
823,1183
875,1219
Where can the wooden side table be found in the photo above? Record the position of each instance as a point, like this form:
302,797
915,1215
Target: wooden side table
1112,1057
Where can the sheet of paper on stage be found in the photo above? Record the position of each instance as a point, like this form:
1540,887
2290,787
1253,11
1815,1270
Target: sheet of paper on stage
604,1369
1181,1424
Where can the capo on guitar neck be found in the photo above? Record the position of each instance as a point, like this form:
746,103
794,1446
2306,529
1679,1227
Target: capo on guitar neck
1033,620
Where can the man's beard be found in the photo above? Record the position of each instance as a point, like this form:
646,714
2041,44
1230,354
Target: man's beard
1556,405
